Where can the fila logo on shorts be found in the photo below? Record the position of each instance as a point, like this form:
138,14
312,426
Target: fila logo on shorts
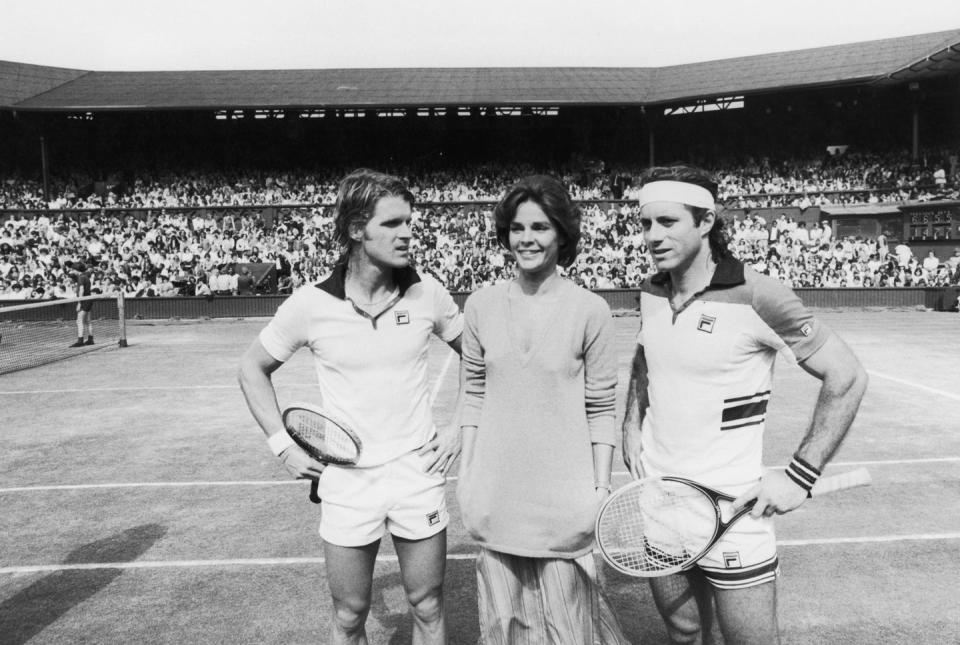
731,559
433,518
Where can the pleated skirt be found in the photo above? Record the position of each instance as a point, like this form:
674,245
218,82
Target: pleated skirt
543,601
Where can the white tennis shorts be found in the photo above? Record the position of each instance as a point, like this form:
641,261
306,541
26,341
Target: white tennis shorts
398,496
745,556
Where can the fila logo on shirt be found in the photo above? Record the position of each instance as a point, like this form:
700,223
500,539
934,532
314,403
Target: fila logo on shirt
706,323
402,317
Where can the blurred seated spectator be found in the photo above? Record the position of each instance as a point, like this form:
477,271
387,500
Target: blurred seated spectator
245,282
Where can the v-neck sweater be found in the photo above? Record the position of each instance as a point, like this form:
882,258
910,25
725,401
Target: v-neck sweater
528,487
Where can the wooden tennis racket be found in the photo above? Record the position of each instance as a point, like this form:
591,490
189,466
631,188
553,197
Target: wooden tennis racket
323,437
657,526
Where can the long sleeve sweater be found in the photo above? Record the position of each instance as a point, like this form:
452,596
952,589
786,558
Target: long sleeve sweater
527,485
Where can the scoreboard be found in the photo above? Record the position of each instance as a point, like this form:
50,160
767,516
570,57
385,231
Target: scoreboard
932,221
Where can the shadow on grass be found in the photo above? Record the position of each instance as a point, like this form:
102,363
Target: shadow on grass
28,612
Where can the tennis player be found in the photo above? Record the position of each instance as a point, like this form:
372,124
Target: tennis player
539,375
83,308
697,402
368,326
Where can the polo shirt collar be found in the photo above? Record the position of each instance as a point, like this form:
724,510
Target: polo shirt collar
334,285
729,273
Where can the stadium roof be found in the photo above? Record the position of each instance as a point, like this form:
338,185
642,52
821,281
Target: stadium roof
893,60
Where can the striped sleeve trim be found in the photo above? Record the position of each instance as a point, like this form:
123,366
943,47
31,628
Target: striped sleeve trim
743,411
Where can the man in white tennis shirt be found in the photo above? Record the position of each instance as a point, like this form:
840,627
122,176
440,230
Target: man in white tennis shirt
368,326
710,332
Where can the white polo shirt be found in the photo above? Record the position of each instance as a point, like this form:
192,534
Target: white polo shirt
710,368
372,372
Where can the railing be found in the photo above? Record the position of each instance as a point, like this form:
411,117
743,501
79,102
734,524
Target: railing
620,300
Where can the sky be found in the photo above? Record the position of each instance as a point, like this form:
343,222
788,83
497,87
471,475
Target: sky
139,35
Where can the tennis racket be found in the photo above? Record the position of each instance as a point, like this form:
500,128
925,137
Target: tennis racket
323,437
657,526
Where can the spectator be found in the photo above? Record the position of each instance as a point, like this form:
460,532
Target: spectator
245,282
903,253
953,262
931,263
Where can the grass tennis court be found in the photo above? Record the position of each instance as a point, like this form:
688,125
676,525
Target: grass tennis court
140,502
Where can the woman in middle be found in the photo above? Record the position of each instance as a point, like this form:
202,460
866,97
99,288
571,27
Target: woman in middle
539,374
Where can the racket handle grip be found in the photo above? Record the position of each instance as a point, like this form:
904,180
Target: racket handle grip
315,491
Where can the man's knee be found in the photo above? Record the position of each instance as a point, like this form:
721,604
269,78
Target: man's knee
427,604
685,603
683,628
350,615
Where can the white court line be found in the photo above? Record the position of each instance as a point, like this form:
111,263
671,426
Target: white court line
440,376
876,539
446,365
152,388
259,482
295,482
144,388
895,462
932,390
269,562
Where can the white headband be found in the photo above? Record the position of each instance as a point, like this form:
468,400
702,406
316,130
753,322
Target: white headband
676,191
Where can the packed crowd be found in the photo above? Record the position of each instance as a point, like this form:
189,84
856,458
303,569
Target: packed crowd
175,253
846,177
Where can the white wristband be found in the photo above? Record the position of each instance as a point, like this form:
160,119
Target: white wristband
280,442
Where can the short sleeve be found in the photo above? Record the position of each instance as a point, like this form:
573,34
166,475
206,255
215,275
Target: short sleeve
783,311
286,332
448,321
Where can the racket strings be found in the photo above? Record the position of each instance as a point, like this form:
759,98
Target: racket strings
658,527
328,439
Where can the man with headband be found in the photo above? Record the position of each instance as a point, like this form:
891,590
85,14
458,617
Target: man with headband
710,331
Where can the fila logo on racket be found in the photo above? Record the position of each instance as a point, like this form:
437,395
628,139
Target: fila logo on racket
706,323
402,317
731,560
433,518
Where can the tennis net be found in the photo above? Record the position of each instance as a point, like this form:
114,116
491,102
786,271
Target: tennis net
45,332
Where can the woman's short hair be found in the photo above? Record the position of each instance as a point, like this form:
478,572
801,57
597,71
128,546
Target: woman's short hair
718,238
553,199
357,198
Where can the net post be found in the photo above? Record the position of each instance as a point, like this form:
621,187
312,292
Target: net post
121,314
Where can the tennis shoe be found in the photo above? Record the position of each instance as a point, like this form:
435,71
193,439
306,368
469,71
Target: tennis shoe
89,341
79,343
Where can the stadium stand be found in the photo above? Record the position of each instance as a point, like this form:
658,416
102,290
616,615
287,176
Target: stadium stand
151,250
219,183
